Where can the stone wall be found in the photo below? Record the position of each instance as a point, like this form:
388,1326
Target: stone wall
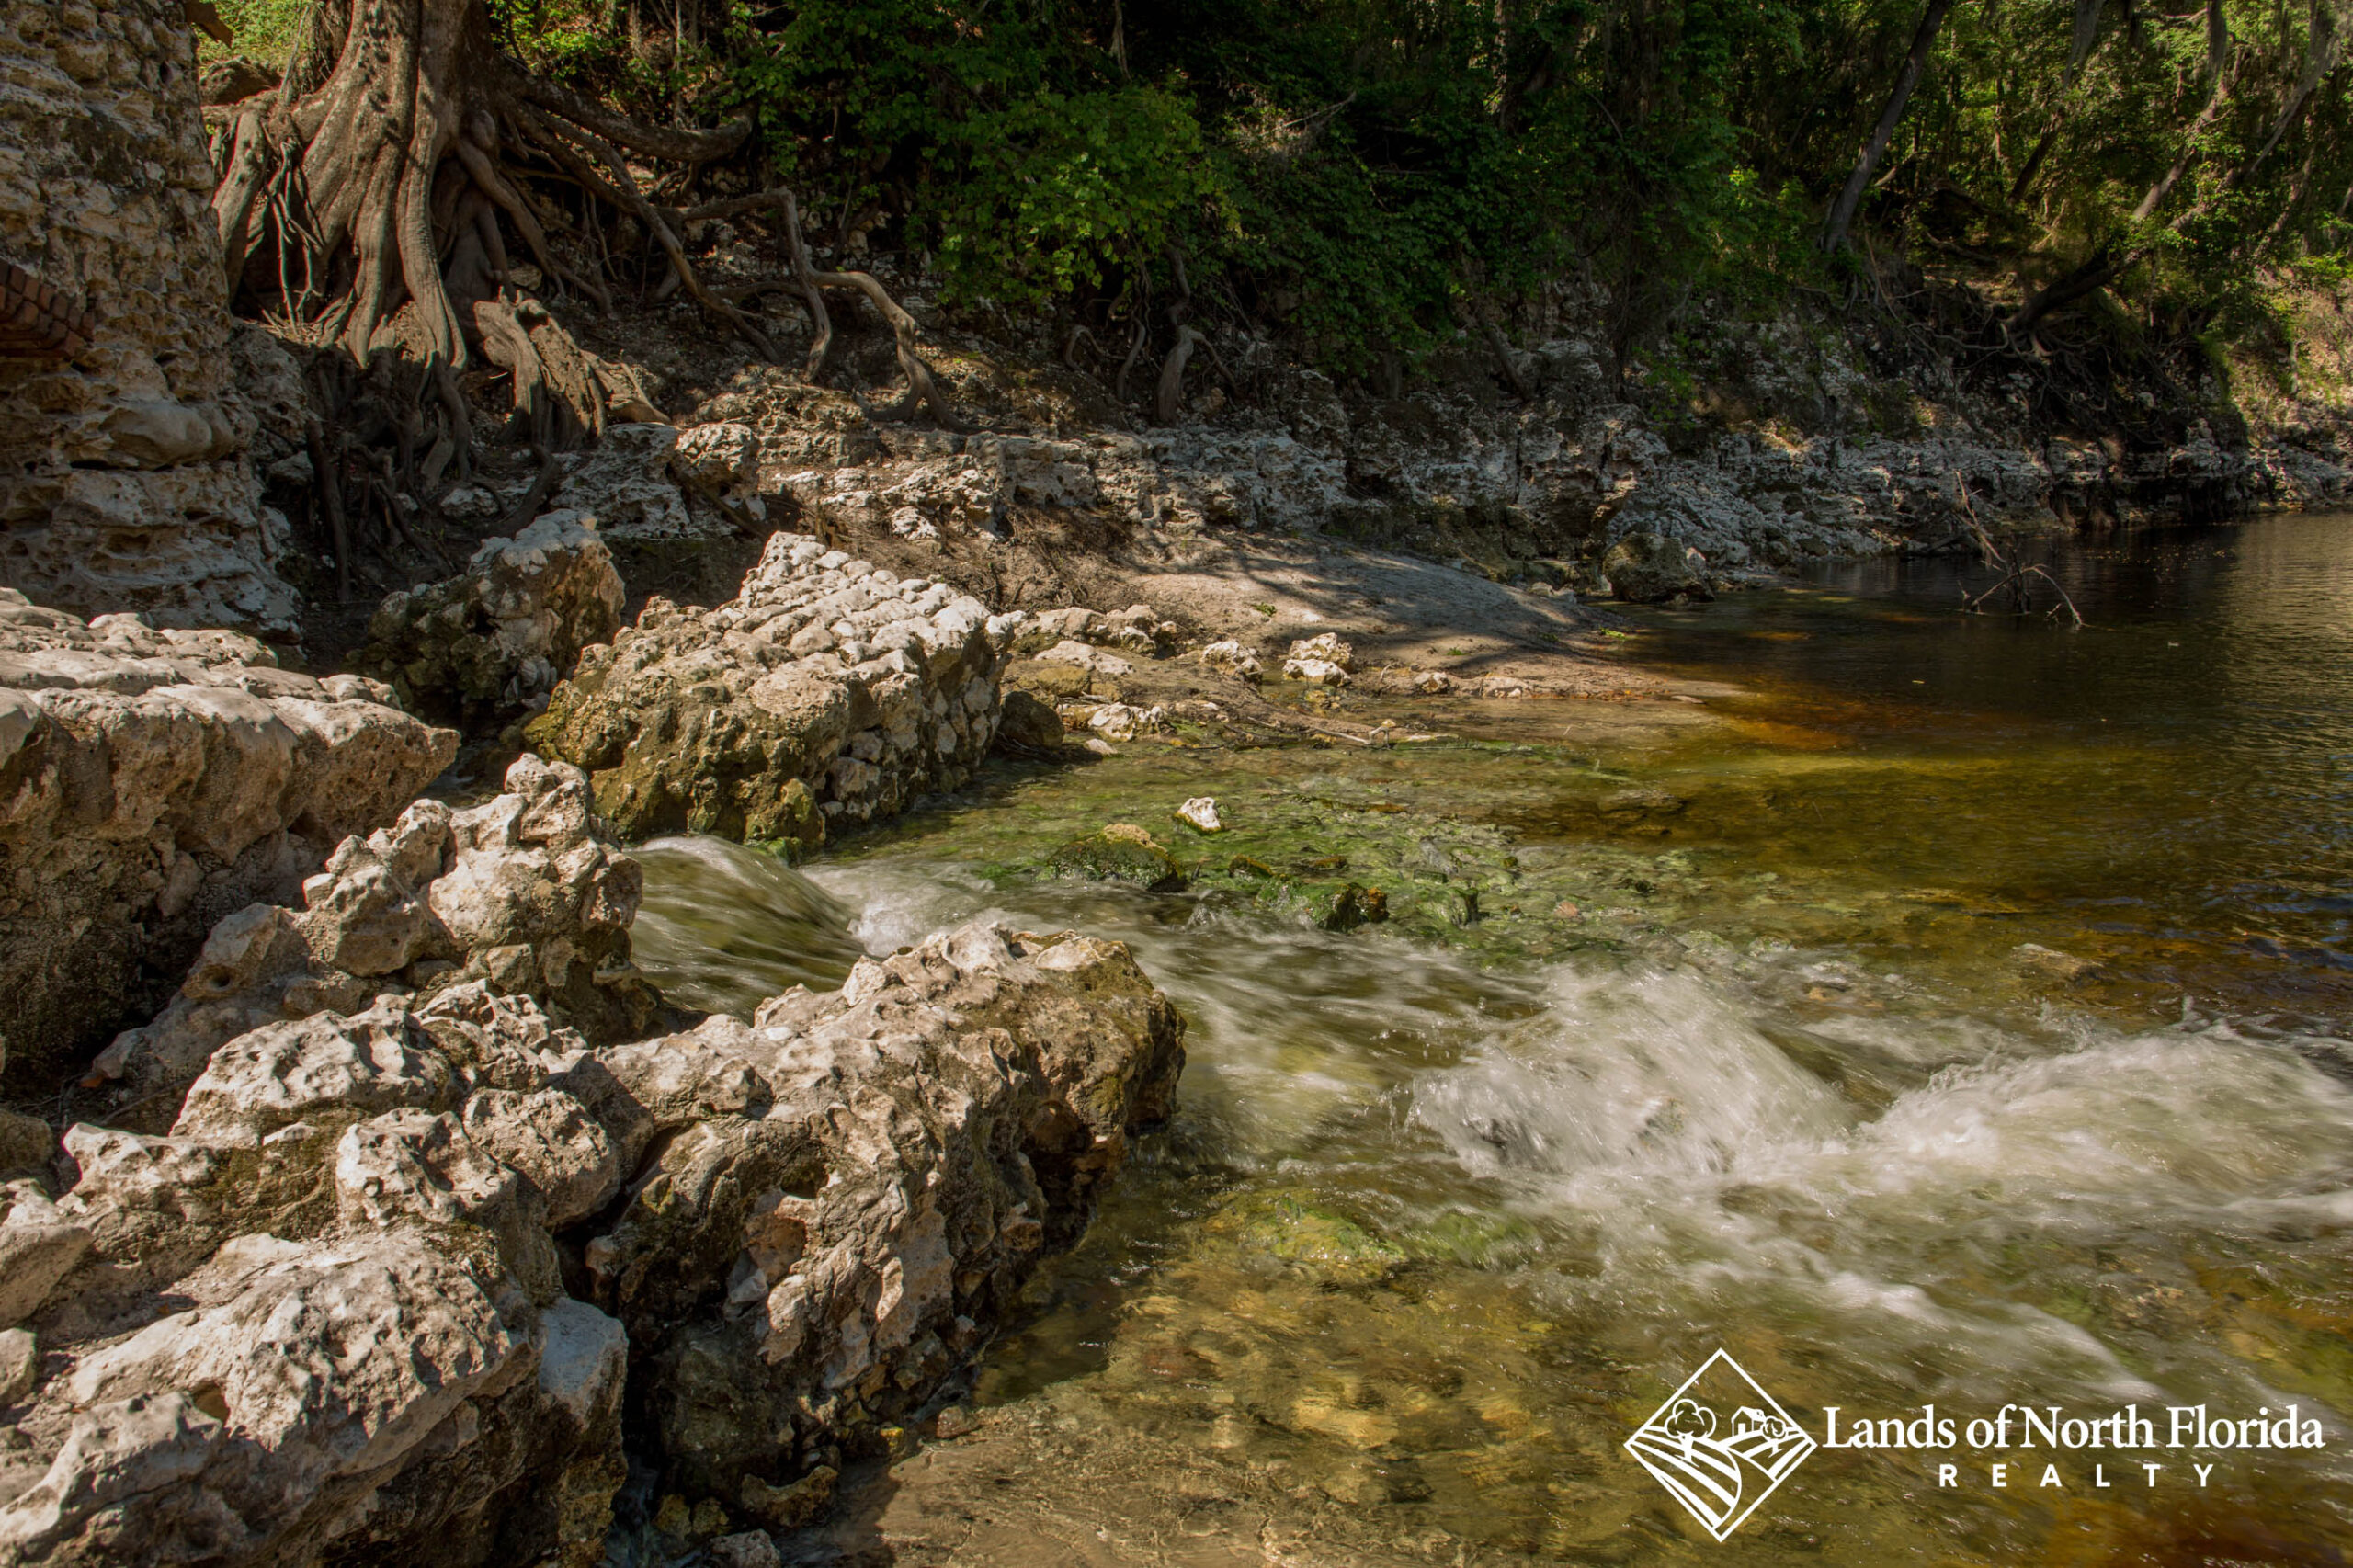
123,483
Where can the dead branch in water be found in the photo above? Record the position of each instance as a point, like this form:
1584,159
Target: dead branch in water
2017,583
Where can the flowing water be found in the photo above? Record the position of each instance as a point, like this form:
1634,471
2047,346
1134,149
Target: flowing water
1954,1013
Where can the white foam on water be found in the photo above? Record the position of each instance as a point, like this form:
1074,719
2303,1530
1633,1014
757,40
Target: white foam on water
1720,1177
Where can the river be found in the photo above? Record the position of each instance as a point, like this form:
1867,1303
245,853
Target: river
1944,1010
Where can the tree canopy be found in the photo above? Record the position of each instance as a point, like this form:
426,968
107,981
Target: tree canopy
1374,177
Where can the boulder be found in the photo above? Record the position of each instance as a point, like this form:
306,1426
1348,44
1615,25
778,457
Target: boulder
151,782
482,648
1028,722
1648,569
1233,658
827,694
816,1262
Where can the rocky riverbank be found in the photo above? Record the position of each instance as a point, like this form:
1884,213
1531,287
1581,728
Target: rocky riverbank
410,1252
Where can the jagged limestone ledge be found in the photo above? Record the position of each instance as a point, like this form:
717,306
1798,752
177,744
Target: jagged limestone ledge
515,897
828,692
151,782
324,1317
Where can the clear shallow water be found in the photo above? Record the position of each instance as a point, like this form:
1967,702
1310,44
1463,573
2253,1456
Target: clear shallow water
1445,1215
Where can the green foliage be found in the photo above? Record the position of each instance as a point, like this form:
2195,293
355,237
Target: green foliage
266,31
1376,177
1053,188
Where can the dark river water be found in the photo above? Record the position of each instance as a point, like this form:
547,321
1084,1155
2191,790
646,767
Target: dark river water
1956,1018
2180,771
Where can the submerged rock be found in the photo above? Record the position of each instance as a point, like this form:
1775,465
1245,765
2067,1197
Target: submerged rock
1201,814
1120,853
151,782
828,692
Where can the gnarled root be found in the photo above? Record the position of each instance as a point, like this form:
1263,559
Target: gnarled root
389,177
923,389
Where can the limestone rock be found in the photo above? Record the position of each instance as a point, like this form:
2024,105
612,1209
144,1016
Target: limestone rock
1027,721
750,1549
1326,647
35,1254
492,909
624,481
481,648
20,1364
723,459
827,694
1231,656
817,1261
1648,569
407,1336
1119,721
151,782
1200,813
326,1317
552,1139
25,1142
126,486
280,1073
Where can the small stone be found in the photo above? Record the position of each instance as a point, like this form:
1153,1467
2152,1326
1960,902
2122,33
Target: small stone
954,1421
673,1516
26,1141
709,1517
2053,962
20,1364
1201,813
789,1507
751,1549
1565,910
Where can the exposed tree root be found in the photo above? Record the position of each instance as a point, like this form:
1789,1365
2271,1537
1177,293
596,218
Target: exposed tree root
389,196
923,389
1169,397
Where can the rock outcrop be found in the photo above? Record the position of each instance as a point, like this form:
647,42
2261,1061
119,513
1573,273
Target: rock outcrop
828,692
123,484
456,911
485,647
151,782
326,1315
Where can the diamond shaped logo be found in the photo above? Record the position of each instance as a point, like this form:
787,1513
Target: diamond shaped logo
1721,1444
